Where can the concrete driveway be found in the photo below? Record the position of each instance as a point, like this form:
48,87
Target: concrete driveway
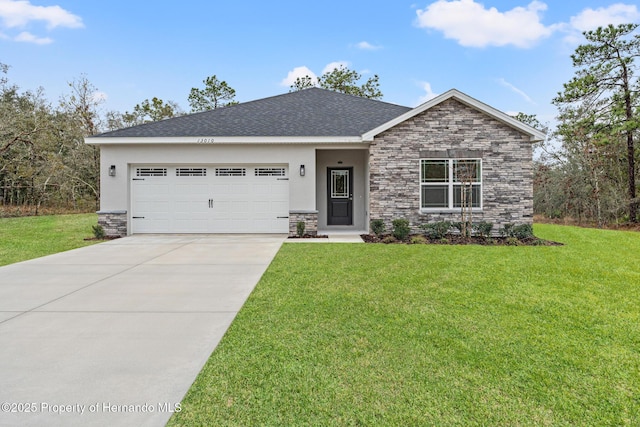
114,334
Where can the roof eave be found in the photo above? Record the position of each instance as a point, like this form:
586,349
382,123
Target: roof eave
214,140
534,134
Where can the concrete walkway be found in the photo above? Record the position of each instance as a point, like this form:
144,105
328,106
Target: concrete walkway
114,334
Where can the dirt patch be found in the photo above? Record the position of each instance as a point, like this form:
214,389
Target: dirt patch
89,239
8,211
624,226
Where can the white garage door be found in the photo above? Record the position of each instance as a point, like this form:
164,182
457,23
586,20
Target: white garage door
209,199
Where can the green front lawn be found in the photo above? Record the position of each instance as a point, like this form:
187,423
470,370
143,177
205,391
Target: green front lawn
35,236
339,334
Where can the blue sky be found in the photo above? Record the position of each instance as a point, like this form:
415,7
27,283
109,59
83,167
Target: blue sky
513,55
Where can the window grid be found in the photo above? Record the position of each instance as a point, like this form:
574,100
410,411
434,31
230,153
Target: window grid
151,171
191,172
269,172
231,172
441,181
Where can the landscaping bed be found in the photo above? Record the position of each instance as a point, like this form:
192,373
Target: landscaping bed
452,239
456,233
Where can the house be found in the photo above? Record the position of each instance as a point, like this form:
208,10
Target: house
332,160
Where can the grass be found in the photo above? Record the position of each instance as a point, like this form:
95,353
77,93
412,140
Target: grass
410,335
35,236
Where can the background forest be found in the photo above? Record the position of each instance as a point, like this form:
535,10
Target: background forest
586,170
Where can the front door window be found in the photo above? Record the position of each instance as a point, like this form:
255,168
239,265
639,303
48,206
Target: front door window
340,184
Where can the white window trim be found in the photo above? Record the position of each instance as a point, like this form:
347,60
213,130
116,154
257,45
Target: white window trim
451,184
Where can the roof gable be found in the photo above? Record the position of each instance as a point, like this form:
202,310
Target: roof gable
311,112
533,133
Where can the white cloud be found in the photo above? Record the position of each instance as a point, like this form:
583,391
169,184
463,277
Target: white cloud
473,25
298,72
619,13
590,19
334,65
18,13
27,37
367,46
429,94
520,92
305,71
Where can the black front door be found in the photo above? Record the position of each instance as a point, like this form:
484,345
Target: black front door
340,195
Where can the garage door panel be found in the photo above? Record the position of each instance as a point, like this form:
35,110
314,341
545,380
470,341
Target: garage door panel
190,189
206,199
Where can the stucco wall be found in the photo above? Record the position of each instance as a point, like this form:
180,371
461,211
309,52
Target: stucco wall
507,171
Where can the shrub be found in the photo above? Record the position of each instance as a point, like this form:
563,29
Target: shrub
98,231
483,228
377,226
460,225
522,231
400,228
300,228
389,239
436,230
418,240
506,230
512,241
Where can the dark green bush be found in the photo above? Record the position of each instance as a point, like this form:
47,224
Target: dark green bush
506,230
483,228
300,226
377,226
436,230
400,228
98,231
522,231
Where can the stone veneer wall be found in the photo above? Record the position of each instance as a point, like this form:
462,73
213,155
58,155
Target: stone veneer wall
455,130
114,223
310,219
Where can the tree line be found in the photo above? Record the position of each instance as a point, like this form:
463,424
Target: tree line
588,170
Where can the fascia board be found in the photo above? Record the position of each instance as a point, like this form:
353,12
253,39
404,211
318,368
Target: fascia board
215,140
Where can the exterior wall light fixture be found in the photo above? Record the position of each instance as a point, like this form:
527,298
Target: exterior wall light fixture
112,170
302,171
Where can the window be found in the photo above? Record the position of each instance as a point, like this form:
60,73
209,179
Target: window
151,171
269,172
340,184
231,172
445,183
191,172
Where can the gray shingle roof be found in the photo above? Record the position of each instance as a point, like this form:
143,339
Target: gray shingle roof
310,112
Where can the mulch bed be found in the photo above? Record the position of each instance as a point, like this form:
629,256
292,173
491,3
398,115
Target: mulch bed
453,239
310,236
103,238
